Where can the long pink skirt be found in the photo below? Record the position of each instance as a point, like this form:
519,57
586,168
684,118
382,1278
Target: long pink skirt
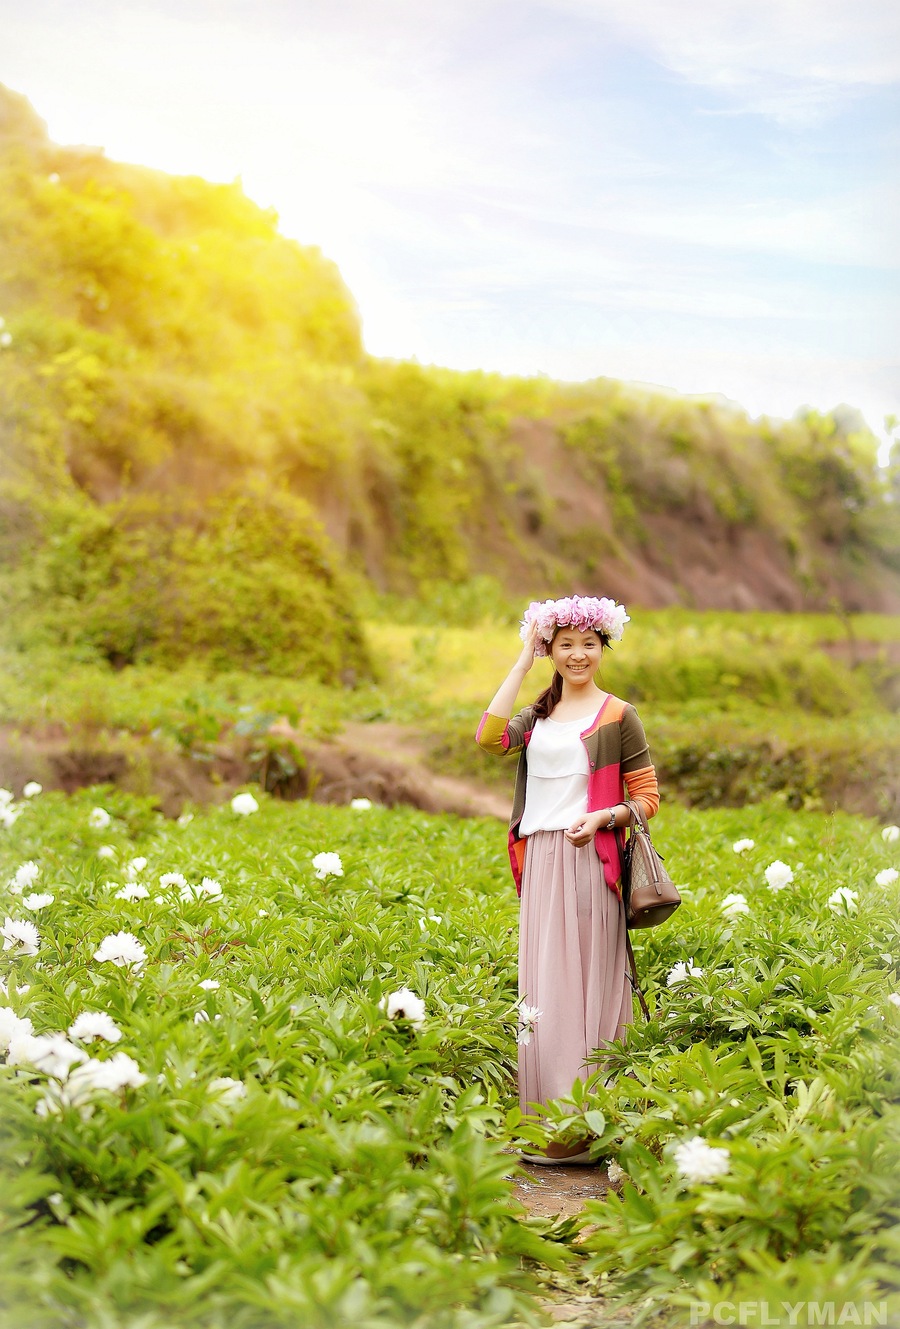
572,965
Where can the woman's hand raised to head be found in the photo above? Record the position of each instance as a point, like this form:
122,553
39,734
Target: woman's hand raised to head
526,656
504,699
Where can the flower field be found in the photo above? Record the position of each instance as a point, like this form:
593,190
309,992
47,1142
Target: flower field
260,1072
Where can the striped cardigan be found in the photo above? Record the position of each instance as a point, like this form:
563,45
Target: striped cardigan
618,758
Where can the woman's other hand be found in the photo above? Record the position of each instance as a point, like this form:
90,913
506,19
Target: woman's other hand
582,832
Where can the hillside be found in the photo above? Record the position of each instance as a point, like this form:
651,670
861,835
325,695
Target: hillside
198,456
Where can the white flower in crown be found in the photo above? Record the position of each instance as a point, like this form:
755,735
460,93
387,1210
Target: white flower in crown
404,1005
699,1162
328,865
779,875
244,804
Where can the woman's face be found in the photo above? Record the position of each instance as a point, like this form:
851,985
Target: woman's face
576,654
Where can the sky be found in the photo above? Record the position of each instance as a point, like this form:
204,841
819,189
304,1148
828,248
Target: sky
701,195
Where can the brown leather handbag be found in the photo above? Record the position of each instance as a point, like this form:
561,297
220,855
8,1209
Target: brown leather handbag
649,893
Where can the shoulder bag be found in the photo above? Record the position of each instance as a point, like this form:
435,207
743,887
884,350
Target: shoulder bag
649,893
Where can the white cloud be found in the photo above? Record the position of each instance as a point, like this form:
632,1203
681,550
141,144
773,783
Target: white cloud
795,61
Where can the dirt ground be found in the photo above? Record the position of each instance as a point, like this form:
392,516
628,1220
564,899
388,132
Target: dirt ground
559,1192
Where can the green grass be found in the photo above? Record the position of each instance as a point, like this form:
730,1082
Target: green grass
359,1179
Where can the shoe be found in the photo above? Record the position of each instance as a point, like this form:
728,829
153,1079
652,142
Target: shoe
579,1159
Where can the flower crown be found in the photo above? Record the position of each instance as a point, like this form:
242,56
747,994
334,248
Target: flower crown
576,611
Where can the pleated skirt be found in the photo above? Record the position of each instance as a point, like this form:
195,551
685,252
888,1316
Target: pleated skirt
572,965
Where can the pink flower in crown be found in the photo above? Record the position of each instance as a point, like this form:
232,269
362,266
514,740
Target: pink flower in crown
577,611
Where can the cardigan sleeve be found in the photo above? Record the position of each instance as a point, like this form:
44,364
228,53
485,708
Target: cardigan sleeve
502,737
637,769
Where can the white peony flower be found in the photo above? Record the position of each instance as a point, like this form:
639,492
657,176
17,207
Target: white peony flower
361,804
615,1172
682,971
778,875
119,1072
262,913
135,866
106,851
6,797
51,1053
843,900
528,1018
734,904
209,984
208,886
9,815
174,879
227,1090
430,917
132,890
10,1025
244,804
20,936
121,949
886,877
95,1024
328,865
890,834
404,1004
25,875
894,998
201,1017
741,846
37,901
99,819
32,789
698,1161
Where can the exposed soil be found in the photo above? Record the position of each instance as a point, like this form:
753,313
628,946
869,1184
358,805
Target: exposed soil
551,1192
386,763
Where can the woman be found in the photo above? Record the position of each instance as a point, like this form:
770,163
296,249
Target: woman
579,750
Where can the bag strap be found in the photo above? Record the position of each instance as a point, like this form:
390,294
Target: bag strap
636,814
633,978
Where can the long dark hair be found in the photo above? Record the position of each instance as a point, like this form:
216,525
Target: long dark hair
548,699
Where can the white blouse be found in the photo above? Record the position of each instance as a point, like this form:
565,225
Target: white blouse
556,788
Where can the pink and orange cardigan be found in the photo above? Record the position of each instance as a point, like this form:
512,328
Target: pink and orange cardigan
618,759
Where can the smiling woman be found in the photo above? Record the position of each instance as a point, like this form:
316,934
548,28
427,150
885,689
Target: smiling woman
579,749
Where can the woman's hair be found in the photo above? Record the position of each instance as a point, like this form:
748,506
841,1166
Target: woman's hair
545,703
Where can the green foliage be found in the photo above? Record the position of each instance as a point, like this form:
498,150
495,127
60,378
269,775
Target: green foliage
243,580
351,1170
